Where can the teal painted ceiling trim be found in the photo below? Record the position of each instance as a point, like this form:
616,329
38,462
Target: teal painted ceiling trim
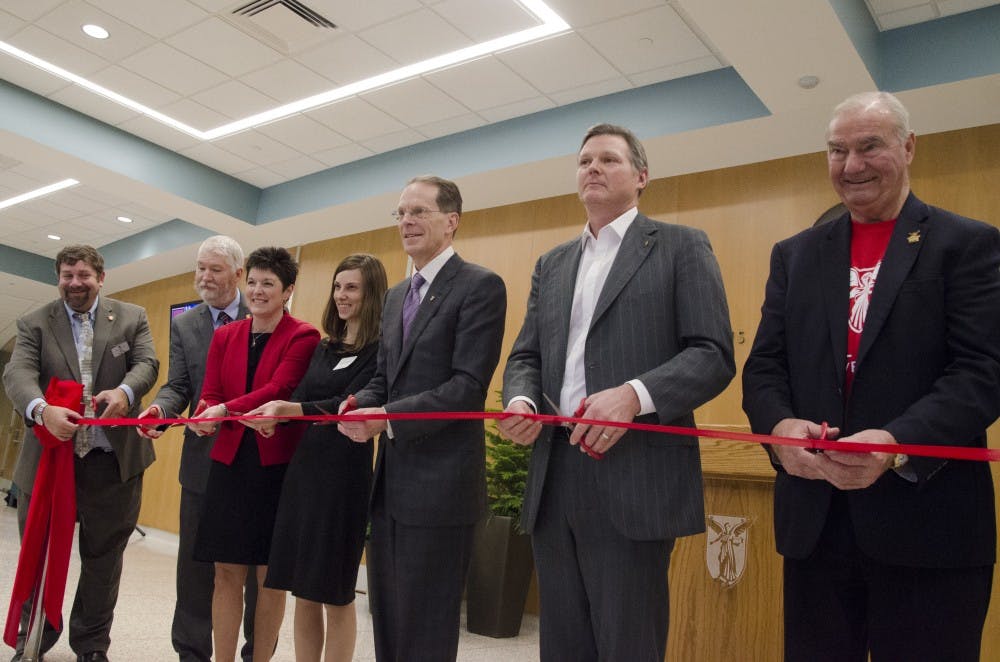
49,123
709,99
27,265
167,236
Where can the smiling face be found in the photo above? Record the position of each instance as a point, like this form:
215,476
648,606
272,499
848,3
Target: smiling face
348,293
215,279
869,163
425,230
607,182
79,284
266,296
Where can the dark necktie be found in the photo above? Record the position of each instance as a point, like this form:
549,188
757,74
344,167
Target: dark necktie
412,302
83,441
223,319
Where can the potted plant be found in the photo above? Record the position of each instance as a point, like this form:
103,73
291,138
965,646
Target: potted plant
501,565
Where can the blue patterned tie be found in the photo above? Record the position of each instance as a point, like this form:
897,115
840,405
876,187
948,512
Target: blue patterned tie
83,441
223,319
412,302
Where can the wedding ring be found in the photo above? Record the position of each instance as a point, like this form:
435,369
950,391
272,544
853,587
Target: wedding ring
605,435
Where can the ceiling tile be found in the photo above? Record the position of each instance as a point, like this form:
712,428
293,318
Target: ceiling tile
482,20
347,59
135,87
47,210
29,10
949,7
689,68
303,134
340,155
257,148
260,177
451,125
415,102
29,77
103,197
9,24
482,83
173,69
215,157
92,104
581,13
159,19
297,167
287,81
213,6
591,90
67,21
647,40
222,46
395,140
415,37
82,204
356,16
58,51
898,19
194,114
887,6
161,134
560,63
77,233
234,100
356,118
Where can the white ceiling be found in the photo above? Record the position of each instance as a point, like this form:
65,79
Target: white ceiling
192,60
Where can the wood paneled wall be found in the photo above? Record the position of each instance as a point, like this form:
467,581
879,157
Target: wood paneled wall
744,210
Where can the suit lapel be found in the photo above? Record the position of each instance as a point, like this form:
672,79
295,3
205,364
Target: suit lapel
105,318
63,333
638,241
900,255
429,307
557,313
835,266
204,326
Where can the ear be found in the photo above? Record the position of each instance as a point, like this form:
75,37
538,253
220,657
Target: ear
910,146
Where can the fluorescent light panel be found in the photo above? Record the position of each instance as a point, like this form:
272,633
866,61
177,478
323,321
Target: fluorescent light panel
550,24
37,193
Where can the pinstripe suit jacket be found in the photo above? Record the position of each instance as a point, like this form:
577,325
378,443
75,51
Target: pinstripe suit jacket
661,317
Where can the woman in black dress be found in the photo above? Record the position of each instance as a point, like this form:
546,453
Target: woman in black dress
319,533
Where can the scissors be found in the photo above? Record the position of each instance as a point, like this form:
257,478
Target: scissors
351,404
823,430
569,426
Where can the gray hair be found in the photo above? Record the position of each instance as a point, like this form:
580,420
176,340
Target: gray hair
884,100
225,246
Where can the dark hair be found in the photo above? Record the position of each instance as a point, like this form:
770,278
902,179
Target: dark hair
374,284
449,198
636,152
73,254
276,260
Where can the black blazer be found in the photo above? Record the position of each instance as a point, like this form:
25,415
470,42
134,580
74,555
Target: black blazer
433,472
928,371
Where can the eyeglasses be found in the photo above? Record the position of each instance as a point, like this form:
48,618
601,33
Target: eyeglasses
418,213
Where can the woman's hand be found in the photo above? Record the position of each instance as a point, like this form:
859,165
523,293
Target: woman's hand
208,428
272,413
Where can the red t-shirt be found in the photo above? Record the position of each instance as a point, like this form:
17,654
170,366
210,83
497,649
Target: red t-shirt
868,244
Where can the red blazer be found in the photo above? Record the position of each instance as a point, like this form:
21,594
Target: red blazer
281,367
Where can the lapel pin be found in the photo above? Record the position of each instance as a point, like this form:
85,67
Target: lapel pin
913,237
111,318
433,297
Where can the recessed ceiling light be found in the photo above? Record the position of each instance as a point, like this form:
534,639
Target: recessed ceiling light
54,237
37,193
549,24
808,82
124,219
95,31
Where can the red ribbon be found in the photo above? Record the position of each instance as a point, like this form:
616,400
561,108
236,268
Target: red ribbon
51,518
921,450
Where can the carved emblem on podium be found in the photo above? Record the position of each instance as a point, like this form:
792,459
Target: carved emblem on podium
726,548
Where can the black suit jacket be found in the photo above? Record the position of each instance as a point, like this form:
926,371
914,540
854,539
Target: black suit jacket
433,472
662,318
927,371
190,335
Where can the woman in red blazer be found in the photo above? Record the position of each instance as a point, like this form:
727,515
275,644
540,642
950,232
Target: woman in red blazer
250,362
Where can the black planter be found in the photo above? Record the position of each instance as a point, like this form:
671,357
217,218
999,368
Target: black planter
499,575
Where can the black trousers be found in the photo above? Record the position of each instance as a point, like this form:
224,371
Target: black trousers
840,605
603,597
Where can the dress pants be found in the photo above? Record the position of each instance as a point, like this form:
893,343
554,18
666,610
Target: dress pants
840,604
417,578
107,510
603,596
191,630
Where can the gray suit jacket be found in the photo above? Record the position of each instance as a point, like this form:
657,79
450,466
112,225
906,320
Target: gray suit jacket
661,318
433,472
123,354
190,335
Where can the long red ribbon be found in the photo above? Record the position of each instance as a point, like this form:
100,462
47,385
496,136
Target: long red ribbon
921,450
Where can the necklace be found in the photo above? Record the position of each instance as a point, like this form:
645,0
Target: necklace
254,337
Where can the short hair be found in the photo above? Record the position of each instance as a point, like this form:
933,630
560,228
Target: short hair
636,152
73,254
278,261
449,198
225,246
374,284
885,100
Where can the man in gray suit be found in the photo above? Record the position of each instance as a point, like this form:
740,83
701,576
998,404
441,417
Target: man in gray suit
629,319
217,276
109,462
441,335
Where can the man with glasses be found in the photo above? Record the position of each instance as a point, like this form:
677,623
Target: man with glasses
441,335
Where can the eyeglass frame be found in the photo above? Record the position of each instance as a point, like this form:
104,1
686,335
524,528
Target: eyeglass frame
418,213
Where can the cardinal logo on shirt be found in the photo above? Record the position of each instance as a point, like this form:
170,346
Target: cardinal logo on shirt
862,284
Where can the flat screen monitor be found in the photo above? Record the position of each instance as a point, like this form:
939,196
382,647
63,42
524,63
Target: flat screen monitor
178,308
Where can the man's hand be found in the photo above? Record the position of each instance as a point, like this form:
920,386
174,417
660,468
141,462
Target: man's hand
60,422
150,431
115,403
361,431
855,471
619,404
208,428
799,461
520,430
277,411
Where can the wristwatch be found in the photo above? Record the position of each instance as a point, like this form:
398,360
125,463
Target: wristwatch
37,414
899,460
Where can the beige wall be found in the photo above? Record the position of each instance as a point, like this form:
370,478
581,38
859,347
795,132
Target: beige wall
744,210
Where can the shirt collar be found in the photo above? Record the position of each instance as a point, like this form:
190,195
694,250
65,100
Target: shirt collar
431,269
233,309
71,312
619,226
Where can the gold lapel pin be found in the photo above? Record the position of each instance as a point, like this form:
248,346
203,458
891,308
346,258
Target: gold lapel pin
111,318
913,237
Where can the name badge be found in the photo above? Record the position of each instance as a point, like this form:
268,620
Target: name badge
344,362
119,349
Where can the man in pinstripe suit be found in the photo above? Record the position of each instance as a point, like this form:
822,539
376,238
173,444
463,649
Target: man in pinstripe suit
631,318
